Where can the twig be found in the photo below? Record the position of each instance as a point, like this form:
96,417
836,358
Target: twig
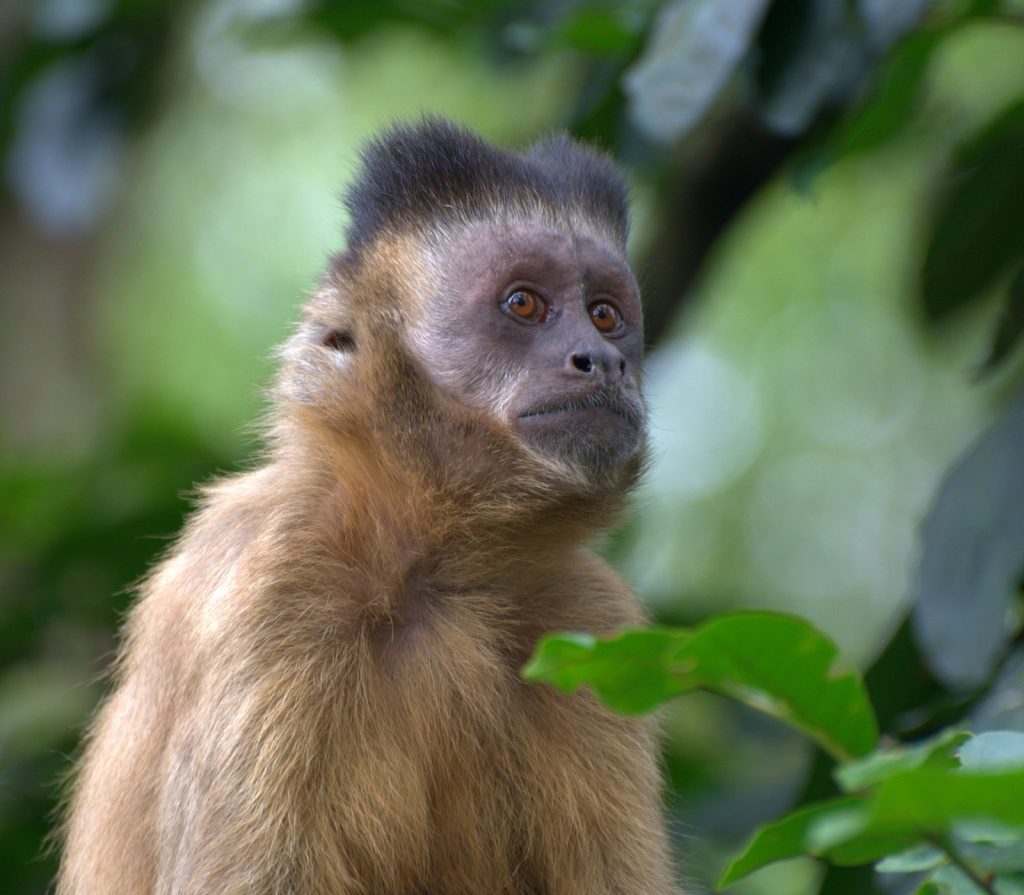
983,884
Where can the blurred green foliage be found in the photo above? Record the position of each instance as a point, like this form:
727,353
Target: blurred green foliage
949,807
828,235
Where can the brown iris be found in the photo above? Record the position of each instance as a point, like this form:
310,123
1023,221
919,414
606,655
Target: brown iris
605,317
525,305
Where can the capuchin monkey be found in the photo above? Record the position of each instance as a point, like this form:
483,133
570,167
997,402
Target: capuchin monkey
319,687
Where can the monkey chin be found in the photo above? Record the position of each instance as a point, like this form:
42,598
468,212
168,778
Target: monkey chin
597,441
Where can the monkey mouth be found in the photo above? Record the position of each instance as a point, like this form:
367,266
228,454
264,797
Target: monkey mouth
609,399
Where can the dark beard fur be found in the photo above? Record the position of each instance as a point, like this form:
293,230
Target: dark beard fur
599,444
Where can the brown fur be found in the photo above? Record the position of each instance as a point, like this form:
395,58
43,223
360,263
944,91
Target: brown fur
319,688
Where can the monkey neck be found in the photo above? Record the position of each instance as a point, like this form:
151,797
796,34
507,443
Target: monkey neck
470,492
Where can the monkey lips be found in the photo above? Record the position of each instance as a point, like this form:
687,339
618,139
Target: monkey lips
599,428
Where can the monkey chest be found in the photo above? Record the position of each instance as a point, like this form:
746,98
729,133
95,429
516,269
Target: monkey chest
462,766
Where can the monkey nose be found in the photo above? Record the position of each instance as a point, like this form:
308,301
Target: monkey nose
597,362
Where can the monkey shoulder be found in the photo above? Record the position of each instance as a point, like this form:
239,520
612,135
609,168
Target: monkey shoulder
231,559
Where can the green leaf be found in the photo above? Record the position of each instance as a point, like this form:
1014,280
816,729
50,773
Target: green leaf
603,31
833,830
972,558
913,860
890,108
976,234
1009,884
848,840
694,48
775,663
886,20
986,832
781,839
632,673
996,857
1010,327
783,666
994,750
951,880
930,801
939,751
899,81
805,51
900,813
1002,708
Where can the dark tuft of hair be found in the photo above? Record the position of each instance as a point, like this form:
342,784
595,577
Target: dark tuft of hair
418,173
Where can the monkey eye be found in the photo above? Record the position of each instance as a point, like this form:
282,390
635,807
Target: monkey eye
605,317
526,305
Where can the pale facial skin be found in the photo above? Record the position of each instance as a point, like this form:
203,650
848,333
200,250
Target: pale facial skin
542,326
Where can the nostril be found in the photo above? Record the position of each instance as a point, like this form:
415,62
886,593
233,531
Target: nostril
582,362
622,368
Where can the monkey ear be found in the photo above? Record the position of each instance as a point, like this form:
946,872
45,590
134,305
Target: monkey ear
339,339
329,318
321,349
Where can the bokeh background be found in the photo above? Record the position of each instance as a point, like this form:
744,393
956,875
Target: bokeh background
829,229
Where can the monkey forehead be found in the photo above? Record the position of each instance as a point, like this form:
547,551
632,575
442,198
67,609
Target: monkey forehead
495,251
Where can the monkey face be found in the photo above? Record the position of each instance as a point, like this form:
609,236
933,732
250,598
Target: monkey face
540,324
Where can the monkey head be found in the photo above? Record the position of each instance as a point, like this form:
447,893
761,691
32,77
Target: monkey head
537,321
501,280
